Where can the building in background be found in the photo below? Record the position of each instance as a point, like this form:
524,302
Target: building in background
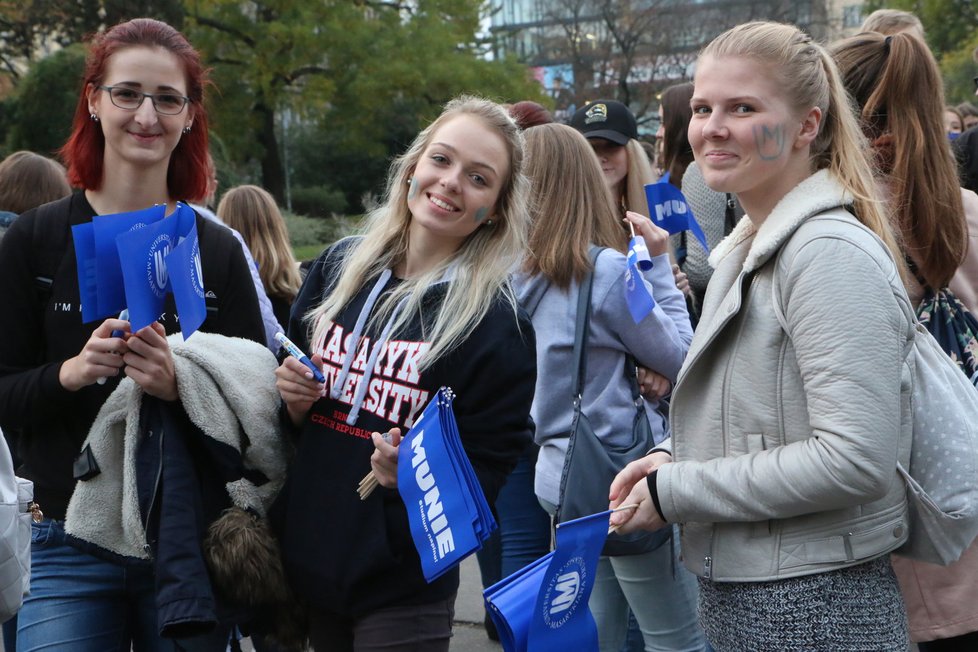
630,50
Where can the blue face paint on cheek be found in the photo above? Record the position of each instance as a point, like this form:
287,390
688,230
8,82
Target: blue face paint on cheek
481,213
413,192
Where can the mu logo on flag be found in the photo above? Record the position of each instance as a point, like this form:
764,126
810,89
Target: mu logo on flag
156,265
566,588
563,596
668,208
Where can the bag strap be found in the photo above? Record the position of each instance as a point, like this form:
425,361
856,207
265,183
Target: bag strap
581,325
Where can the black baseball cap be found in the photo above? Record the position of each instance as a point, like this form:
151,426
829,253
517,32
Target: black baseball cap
606,119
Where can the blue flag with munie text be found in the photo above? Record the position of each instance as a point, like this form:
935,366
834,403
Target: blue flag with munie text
447,511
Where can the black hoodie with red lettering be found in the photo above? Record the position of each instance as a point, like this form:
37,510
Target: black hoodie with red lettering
348,556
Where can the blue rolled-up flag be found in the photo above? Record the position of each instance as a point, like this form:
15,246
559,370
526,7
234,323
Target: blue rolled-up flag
638,295
86,263
447,511
544,606
184,271
638,254
111,292
510,602
669,210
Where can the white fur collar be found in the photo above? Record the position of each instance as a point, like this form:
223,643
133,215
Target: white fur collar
816,194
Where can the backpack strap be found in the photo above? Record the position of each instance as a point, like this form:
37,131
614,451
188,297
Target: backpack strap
49,244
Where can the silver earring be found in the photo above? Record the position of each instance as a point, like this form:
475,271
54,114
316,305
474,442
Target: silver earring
409,180
93,117
186,129
489,223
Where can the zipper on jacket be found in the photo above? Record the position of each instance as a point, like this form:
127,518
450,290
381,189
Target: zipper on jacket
708,560
156,490
729,370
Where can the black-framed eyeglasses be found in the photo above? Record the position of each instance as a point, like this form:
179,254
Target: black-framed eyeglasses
131,99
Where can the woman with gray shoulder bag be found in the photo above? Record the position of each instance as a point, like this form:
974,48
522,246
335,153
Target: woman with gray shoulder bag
590,419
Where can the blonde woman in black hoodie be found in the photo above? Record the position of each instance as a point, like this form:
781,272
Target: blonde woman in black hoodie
421,300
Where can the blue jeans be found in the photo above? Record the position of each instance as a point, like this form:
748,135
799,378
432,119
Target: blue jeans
524,528
82,603
661,593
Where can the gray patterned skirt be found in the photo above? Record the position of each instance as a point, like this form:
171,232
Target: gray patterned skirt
854,609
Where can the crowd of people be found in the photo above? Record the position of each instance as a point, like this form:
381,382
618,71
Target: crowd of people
826,183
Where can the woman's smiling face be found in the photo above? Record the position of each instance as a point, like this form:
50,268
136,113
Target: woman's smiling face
744,133
141,137
456,182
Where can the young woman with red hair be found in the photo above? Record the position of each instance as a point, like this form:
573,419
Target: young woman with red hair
139,138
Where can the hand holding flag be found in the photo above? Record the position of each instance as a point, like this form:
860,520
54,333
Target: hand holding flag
631,486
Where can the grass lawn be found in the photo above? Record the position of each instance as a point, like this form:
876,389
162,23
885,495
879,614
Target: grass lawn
310,235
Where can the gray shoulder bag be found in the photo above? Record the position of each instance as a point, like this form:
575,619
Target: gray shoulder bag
590,466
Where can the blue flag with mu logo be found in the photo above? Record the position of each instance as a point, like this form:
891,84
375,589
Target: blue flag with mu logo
669,210
158,259
544,606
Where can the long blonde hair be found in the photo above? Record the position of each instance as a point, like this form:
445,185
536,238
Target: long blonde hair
639,173
478,271
897,84
571,204
810,78
253,213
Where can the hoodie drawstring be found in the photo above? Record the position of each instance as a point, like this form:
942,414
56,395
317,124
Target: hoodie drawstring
354,340
368,371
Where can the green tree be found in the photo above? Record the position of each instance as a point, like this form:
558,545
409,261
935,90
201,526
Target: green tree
952,34
949,24
30,28
44,102
367,73
959,68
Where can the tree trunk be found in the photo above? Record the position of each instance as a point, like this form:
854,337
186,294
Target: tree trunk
272,174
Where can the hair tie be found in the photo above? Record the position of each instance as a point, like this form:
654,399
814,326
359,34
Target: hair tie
886,44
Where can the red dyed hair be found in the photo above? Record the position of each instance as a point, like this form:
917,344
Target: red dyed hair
187,176
528,114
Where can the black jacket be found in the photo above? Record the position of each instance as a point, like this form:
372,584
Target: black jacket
41,327
348,556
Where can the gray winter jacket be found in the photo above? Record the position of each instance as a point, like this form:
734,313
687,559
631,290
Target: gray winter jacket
793,406
659,342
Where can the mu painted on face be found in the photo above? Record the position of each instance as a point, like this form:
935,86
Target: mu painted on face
769,140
